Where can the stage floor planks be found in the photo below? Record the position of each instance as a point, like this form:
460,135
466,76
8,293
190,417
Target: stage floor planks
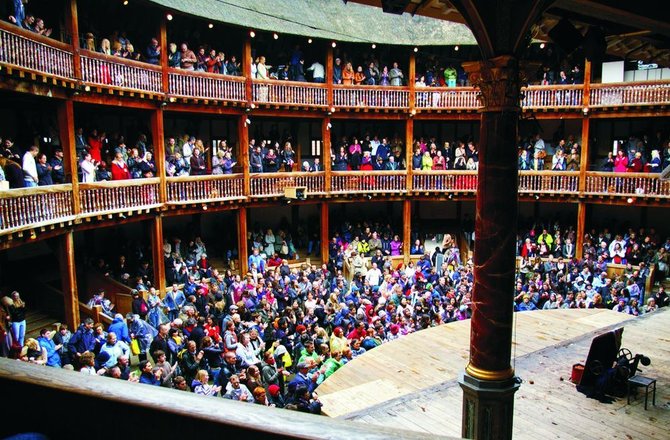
406,385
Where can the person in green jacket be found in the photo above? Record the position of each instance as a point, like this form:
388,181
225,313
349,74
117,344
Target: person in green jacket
330,366
450,76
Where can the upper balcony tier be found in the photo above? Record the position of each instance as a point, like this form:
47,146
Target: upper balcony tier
29,55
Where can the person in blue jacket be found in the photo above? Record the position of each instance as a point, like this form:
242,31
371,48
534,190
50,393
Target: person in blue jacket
82,340
45,340
119,328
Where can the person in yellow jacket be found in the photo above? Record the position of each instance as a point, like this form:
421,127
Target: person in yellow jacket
363,247
546,238
426,162
337,340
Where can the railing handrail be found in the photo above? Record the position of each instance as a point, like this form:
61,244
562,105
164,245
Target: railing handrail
48,41
120,183
18,192
287,174
553,87
658,82
367,173
447,89
443,172
119,60
627,174
548,173
217,76
369,87
204,178
278,82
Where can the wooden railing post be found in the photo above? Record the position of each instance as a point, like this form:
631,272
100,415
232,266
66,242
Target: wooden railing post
407,228
72,27
157,253
330,61
326,152
243,134
158,139
325,233
163,44
586,93
65,115
409,140
246,69
68,276
581,222
584,161
411,80
242,250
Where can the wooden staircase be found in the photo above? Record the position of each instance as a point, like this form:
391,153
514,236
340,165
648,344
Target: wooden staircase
36,320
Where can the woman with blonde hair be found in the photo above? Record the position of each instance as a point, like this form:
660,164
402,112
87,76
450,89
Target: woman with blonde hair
33,353
105,47
16,311
217,162
200,384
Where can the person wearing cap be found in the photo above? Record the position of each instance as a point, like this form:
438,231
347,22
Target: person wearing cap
275,397
303,378
526,305
57,168
82,340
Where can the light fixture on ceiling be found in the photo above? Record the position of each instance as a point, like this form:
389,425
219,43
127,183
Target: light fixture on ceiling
169,16
275,36
211,25
252,34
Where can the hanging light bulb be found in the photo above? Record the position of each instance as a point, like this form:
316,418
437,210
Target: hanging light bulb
541,45
169,16
416,49
456,48
211,25
275,36
252,34
333,44
309,41
374,46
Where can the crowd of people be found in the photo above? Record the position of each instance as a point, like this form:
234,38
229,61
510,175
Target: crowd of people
643,154
27,20
534,154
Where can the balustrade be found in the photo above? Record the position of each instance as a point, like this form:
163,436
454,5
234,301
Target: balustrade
556,95
627,184
196,189
273,184
23,208
343,182
35,52
548,182
446,98
371,96
444,181
288,92
608,95
204,85
118,196
107,70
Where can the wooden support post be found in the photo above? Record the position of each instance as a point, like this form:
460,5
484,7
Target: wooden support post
157,253
584,162
163,44
406,228
242,249
65,115
330,62
411,80
68,276
409,140
581,228
243,135
326,152
158,139
246,68
72,28
586,97
325,233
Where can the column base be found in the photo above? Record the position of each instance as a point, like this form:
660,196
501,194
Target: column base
488,407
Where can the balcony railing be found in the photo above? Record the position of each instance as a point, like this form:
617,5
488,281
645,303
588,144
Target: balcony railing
197,189
273,184
189,84
290,92
35,52
457,98
646,93
444,181
371,96
106,70
35,207
548,182
570,96
369,182
627,184
118,196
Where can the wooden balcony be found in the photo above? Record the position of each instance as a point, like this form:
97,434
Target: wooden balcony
622,94
368,182
203,189
379,97
642,185
553,96
34,52
273,184
109,71
26,208
446,98
549,182
289,93
102,198
444,181
189,84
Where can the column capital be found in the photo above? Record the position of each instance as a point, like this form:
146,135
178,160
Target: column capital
499,81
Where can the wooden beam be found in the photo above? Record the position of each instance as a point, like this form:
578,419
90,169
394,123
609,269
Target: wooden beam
68,276
409,141
581,227
407,228
163,45
242,249
584,161
326,150
157,253
325,231
158,139
243,133
411,80
246,68
330,62
72,28
65,116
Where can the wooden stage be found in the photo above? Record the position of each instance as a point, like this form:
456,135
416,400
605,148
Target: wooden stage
412,383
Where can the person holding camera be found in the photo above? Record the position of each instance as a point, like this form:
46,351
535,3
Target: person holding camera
88,168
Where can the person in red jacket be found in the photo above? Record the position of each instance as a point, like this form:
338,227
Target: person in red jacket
120,169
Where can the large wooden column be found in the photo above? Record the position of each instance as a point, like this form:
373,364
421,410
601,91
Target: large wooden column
488,382
163,60
157,253
242,250
68,276
325,234
411,81
409,140
246,68
158,139
330,62
326,151
406,228
581,228
72,28
584,160
243,136
65,116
